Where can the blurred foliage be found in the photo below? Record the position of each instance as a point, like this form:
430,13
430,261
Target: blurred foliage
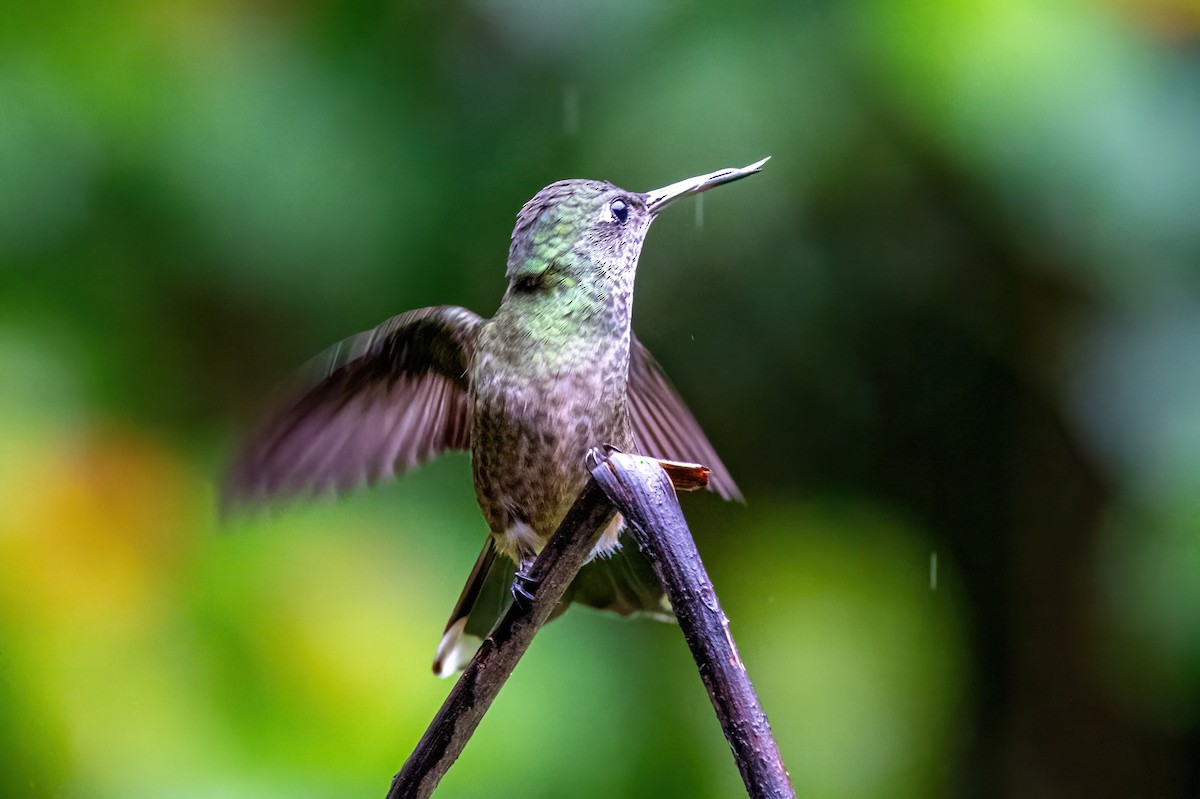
949,342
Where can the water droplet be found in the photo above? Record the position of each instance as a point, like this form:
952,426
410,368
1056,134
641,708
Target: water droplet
571,110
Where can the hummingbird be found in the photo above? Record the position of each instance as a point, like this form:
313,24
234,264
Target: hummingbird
555,372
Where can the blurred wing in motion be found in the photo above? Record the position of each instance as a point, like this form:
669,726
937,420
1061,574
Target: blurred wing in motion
663,427
373,406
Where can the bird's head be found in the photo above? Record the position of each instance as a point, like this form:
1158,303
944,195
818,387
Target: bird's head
588,233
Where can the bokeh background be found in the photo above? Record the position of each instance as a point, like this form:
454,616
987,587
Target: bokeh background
948,342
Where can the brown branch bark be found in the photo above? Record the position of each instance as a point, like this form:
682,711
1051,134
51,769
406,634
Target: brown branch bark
642,491
487,672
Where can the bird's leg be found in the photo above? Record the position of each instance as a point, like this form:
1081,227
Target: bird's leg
524,587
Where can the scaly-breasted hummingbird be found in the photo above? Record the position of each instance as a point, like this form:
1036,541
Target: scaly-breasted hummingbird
555,372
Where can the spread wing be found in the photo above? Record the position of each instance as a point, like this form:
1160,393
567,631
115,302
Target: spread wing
664,427
373,406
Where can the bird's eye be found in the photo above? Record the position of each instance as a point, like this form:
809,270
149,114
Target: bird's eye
620,210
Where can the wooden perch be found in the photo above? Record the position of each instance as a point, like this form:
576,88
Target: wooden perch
641,488
480,682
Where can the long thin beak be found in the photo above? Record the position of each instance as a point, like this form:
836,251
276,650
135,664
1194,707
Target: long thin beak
659,199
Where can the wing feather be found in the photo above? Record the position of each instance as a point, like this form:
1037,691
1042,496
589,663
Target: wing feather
369,408
664,427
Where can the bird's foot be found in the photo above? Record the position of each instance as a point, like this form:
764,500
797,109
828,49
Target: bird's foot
524,588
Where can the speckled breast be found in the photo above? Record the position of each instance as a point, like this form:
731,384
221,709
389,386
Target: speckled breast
536,410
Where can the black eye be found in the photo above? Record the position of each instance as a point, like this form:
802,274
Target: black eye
620,210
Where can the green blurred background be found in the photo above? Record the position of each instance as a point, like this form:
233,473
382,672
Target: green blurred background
948,342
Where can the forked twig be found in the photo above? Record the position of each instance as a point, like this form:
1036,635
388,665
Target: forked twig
642,490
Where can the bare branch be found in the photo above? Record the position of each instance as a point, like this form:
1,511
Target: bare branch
552,573
642,491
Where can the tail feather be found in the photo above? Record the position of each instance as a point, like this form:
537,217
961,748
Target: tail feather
622,583
484,599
